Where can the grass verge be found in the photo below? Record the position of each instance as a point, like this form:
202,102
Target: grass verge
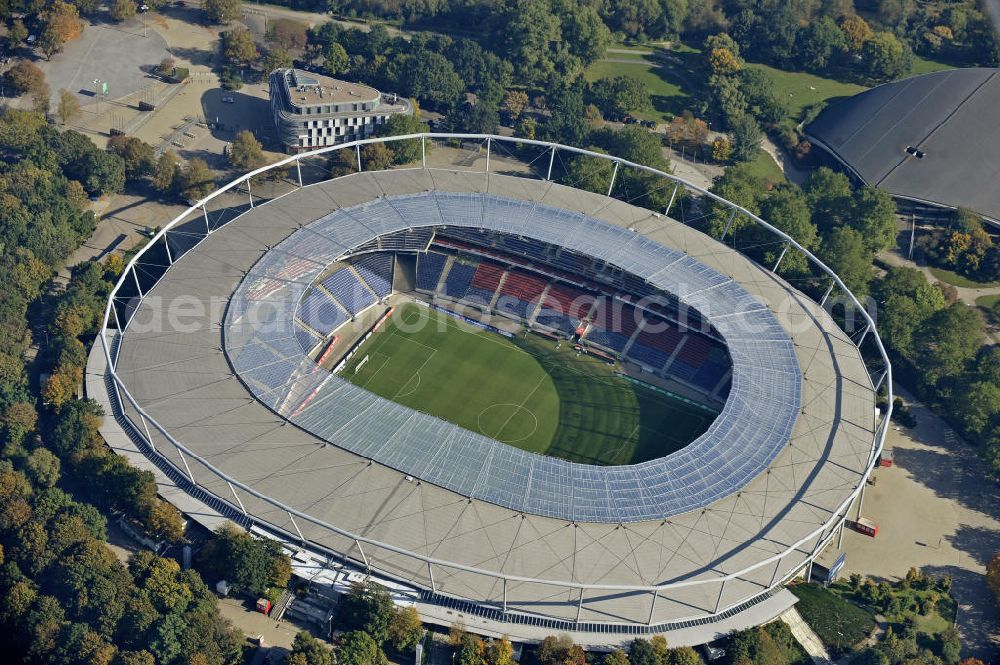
839,623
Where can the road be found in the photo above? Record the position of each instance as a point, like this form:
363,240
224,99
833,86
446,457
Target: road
935,510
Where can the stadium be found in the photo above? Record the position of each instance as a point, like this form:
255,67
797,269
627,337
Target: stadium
538,407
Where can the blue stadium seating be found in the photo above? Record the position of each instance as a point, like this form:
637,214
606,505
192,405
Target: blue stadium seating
320,313
305,338
708,375
349,291
606,338
651,357
376,270
478,296
681,370
557,321
459,278
429,267
511,305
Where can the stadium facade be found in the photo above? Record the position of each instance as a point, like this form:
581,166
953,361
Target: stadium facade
231,402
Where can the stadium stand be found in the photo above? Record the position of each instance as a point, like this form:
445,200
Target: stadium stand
520,293
349,291
712,370
459,279
306,338
320,313
376,271
690,357
429,267
485,282
613,324
410,240
656,340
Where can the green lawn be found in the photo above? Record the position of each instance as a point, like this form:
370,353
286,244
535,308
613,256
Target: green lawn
953,278
839,623
763,166
799,90
988,302
667,97
923,65
522,391
669,74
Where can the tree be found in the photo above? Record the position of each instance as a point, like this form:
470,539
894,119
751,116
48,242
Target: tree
641,652
949,341
856,32
165,172
245,152
24,77
845,253
335,60
367,607
409,151
993,575
122,10
139,156
238,47
746,138
61,24
358,648
307,650
620,96
684,656
276,58
68,108
560,651
196,181
287,33
430,77
61,386
786,208
250,564
514,103
42,467
221,11
164,522
16,34
500,652
616,657
405,629
830,198
884,57
874,215
19,419
722,149
724,62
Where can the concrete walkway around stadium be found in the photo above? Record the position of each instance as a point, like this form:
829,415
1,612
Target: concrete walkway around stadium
806,637
937,511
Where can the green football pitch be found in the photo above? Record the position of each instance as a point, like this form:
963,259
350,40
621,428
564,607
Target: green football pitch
522,391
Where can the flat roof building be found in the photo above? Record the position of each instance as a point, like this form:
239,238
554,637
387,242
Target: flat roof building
312,111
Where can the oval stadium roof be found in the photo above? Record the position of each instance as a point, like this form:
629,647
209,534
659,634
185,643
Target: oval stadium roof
930,138
741,443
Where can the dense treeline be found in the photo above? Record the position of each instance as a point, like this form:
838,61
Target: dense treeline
802,34
68,599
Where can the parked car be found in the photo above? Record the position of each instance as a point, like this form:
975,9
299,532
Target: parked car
228,100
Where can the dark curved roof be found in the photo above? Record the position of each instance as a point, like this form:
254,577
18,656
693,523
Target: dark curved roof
949,117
